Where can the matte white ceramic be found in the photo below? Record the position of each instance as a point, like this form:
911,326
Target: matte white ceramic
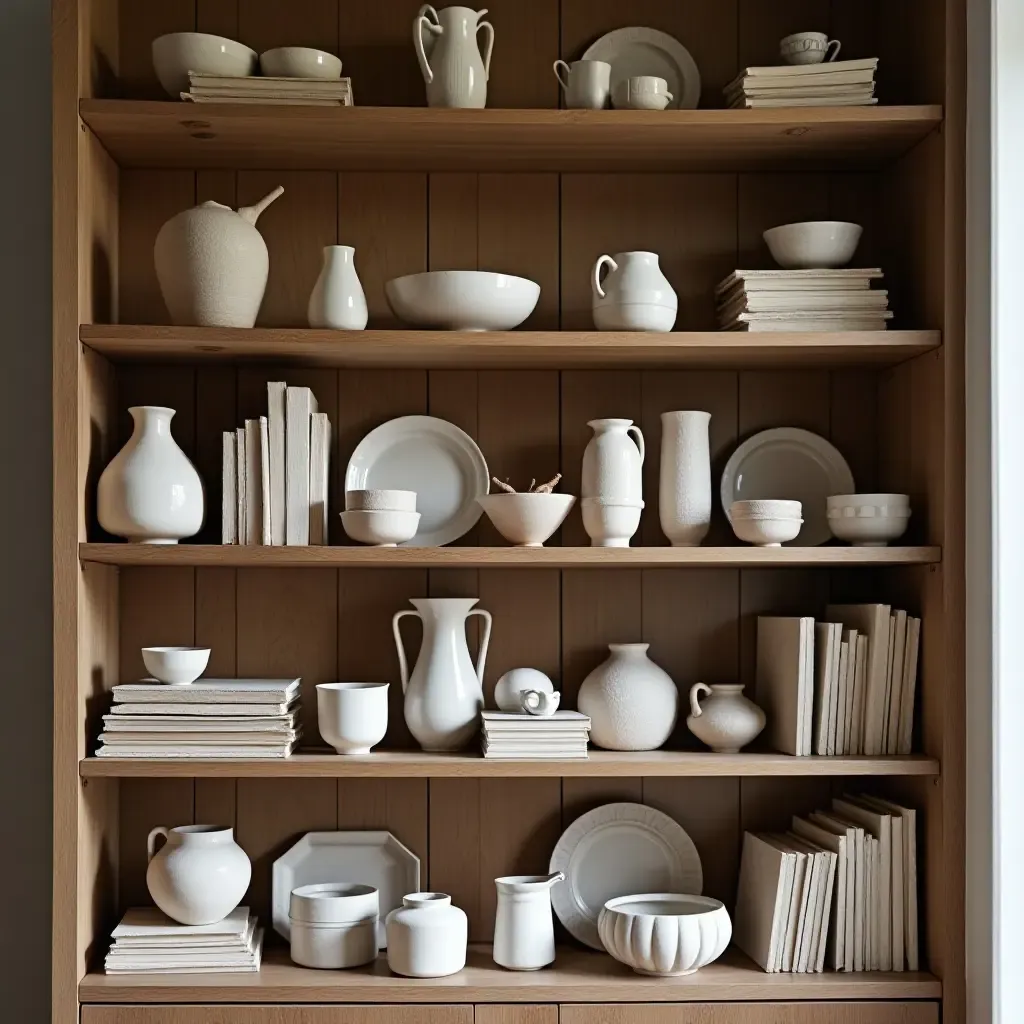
793,464
524,930
634,296
767,508
809,48
432,457
352,717
527,520
380,501
337,300
382,529
726,721
333,903
609,525
452,65
150,493
539,703
868,520
176,665
641,92
614,850
767,532
200,875
376,859
462,300
299,62
684,484
646,51
514,682
427,936
178,53
334,946
613,463
631,702
444,693
813,244
586,83
665,934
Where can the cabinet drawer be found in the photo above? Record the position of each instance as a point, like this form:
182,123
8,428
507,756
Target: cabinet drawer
280,1015
751,1013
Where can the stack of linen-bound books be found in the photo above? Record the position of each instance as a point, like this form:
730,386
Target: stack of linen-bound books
513,734
304,92
843,83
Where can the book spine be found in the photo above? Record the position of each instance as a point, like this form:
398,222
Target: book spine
276,428
240,463
229,495
253,484
299,407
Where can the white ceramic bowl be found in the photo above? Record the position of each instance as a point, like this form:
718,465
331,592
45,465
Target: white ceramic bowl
352,717
333,946
665,934
299,62
813,244
462,300
527,519
380,501
767,533
334,903
765,508
176,665
178,53
868,520
610,526
385,529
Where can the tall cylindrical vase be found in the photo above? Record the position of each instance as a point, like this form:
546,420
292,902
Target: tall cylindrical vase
337,300
684,499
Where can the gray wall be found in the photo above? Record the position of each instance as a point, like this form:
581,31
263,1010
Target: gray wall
25,434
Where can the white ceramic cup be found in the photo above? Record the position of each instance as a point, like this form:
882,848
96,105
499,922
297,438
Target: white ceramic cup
352,717
809,48
642,92
586,83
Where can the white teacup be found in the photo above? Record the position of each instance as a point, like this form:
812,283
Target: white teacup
352,717
809,48
642,92
586,83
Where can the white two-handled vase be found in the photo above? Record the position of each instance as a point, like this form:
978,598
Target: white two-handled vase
449,55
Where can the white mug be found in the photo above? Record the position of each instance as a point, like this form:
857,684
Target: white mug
586,83
809,48
642,92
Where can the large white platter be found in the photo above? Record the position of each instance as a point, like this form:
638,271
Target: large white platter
366,858
789,463
618,850
646,51
432,457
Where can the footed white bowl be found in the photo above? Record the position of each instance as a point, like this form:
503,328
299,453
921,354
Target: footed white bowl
765,508
176,665
665,934
813,244
300,62
766,533
385,529
462,300
352,718
527,520
868,520
178,53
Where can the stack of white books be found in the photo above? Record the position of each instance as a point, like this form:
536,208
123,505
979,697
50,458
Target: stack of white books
839,687
802,300
148,942
276,473
841,83
514,734
208,718
304,92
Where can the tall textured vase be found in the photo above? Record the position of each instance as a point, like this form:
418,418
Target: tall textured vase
337,300
684,498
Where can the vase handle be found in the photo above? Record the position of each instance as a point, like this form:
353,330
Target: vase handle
595,279
481,658
160,830
488,46
697,690
417,42
635,430
403,665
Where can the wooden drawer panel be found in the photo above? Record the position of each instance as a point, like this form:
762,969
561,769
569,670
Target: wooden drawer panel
753,1013
294,1015
509,1014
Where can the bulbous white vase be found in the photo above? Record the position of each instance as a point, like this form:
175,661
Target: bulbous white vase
613,463
684,498
631,702
726,721
337,300
150,493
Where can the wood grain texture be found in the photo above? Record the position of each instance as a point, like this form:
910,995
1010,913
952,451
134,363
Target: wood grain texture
285,1015
781,1013
516,1015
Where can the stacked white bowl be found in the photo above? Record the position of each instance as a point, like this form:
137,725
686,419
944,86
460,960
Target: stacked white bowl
868,520
334,925
384,518
768,523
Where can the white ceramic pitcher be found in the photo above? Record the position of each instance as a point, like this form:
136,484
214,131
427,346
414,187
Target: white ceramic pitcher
444,695
634,296
524,934
613,464
453,68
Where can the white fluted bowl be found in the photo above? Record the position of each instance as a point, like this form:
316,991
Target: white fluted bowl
462,300
665,934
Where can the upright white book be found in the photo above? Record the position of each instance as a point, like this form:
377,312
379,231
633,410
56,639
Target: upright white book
860,685
240,463
840,953
826,646
762,902
797,890
856,879
785,680
844,727
253,483
887,699
839,658
265,534
276,428
229,492
300,405
319,477
906,727
897,656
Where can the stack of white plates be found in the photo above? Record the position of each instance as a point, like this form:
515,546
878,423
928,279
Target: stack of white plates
843,83
511,734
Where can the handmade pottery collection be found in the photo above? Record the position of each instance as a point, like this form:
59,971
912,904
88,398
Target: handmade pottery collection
337,300
427,936
524,931
726,721
453,67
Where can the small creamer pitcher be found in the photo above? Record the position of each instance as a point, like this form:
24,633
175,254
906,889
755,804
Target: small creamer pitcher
524,933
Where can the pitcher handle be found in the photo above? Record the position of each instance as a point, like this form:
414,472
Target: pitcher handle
489,47
595,280
696,691
563,82
160,830
830,54
481,658
403,665
639,440
417,42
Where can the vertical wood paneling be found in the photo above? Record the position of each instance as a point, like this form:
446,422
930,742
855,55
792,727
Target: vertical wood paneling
767,200
762,25
524,50
375,45
768,804
215,802
455,838
138,25
264,24
218,17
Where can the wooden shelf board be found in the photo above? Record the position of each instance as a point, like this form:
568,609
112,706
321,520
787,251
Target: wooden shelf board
333,557
577,976
512,349
417,764
140,133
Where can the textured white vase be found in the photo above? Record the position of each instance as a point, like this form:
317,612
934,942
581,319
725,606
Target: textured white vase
631,702
613,463
684,494
337,300
726,721
150,493
427,936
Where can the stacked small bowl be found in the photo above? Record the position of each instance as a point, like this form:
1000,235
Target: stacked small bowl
384,518
767,523
334,924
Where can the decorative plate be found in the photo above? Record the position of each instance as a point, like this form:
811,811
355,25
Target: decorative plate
617,850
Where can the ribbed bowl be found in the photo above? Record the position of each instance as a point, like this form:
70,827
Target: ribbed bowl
665,934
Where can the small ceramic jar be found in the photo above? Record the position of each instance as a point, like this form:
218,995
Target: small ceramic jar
427,936
726,721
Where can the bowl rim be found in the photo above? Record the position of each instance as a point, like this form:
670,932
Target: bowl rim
878,498
326,891
460,273
814,223
345,687
378,512
303,49
207,35
524,494
177,650
620,904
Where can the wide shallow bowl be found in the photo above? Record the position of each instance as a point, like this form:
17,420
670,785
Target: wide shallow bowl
299,62
765,508
527,519
384,529
813,244
352,717
868,520
333,903
334,946
178,53
380,501
176,665
665,934
462,300
767,533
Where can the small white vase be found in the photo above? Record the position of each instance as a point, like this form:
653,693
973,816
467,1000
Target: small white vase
150,493
200,875
726,721
631,702
427,936
524,933
684,497
613,464
337,300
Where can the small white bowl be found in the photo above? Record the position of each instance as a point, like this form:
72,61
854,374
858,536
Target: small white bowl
176,665
767,533
178,53
610,526
299,62
527,520
352,717
813,244
380,501
385,529
462,300
868,520
334,903
765,508
333,946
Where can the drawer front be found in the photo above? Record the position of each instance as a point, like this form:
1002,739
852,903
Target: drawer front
752,1013
286,1015
511,1014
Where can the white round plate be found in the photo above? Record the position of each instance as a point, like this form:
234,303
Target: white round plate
432,457
618,850
646,51
789,463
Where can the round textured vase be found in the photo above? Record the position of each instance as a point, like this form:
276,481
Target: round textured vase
150,493
726,721
427,936
337,300
631,702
